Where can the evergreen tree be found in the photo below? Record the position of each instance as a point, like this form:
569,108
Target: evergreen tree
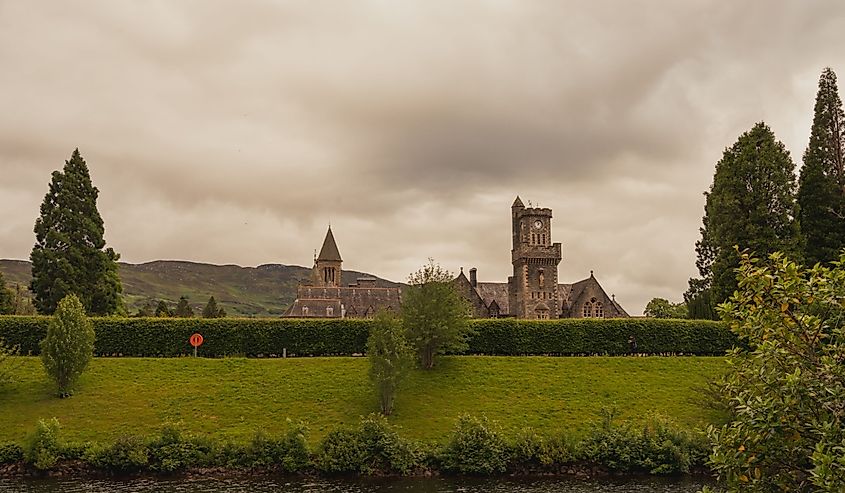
69,256
183,309
821,187
221,313
751,205
146,311
6,298
162,310
211,310
21,303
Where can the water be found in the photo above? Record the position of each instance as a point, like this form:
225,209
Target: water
310,485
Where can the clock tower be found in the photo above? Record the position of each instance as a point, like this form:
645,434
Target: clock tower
533,288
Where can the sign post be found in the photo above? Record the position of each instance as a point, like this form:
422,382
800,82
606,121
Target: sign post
196,341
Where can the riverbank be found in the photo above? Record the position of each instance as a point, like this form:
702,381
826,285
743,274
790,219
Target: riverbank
230,398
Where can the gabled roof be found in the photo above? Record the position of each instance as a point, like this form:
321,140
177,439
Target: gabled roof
329,251
495,291
518,202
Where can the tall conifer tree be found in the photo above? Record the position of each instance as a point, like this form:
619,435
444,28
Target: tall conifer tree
821,188
751,204
69,256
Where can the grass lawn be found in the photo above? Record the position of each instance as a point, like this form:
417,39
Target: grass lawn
235,396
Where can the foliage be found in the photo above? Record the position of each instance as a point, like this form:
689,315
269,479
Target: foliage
6,298
127,454
821,186
373,447
434,314
332,337
69,256
10,453
390,358
787,393
146,311
42,448
173,451
654,448
700,306
288,453
162,310
211,310
662,308
477,446
754,176
69,344
183,309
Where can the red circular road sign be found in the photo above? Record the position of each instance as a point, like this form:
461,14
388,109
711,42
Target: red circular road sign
196,340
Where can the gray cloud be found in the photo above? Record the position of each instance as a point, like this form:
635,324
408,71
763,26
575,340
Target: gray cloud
233,133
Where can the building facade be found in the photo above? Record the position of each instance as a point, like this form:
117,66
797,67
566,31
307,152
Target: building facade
325,296
533,291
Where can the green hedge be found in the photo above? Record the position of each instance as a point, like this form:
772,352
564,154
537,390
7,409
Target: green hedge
270,337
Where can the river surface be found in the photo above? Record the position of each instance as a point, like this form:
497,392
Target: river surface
308,485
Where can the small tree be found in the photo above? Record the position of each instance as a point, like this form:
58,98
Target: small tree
21,303
6,298
390,358
662,308
162,310
183,309
787,392
69,344
211,310
434,314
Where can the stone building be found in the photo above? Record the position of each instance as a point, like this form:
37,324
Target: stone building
325,296
533,291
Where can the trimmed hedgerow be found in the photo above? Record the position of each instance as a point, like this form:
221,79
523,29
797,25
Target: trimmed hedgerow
271,337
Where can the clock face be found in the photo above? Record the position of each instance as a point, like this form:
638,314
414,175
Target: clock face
538,224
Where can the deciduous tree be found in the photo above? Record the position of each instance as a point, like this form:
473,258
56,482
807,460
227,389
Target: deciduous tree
662,308
434,314
183,309
390,358
69,344
162,310
821,187
69,256
787,392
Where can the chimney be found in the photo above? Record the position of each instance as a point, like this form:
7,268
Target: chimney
473,279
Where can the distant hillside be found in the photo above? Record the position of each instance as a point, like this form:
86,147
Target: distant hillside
263,291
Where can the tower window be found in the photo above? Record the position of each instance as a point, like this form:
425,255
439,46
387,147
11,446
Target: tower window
305,311
544,239
329,311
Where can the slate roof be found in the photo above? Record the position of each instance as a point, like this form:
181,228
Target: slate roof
498,291
357,301
329,250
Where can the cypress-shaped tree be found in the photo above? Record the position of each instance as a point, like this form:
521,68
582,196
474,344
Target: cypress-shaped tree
821,187
751,205
183,309
211,310
69,256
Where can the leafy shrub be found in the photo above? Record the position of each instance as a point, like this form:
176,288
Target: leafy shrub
477,446
69,344
10,453
172,451
42,448
126,454
654,448
270,337
373,447
288,453
531,449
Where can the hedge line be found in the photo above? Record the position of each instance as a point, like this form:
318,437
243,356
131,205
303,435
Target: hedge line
271,337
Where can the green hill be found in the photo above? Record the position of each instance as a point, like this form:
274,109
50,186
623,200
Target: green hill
264,291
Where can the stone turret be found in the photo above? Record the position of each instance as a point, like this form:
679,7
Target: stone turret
327,265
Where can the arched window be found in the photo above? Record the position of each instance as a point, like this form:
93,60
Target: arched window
598,310
588,310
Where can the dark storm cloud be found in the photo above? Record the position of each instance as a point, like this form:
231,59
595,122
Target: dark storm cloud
234,132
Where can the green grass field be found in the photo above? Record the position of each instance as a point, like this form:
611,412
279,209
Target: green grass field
233,397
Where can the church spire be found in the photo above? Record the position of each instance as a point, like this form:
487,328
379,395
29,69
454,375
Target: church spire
518,203
329,251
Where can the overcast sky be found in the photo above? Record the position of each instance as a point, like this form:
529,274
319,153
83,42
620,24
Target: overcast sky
234,132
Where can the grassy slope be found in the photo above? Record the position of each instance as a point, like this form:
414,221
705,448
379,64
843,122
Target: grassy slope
266,290
233,397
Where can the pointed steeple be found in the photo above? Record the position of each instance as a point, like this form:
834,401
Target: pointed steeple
517,203
329,251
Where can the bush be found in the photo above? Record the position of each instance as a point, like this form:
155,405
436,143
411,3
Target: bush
10,453
269,337
69,344
532,450
655,448
127,454
42,449
288,453
373,447
477,446
172,451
